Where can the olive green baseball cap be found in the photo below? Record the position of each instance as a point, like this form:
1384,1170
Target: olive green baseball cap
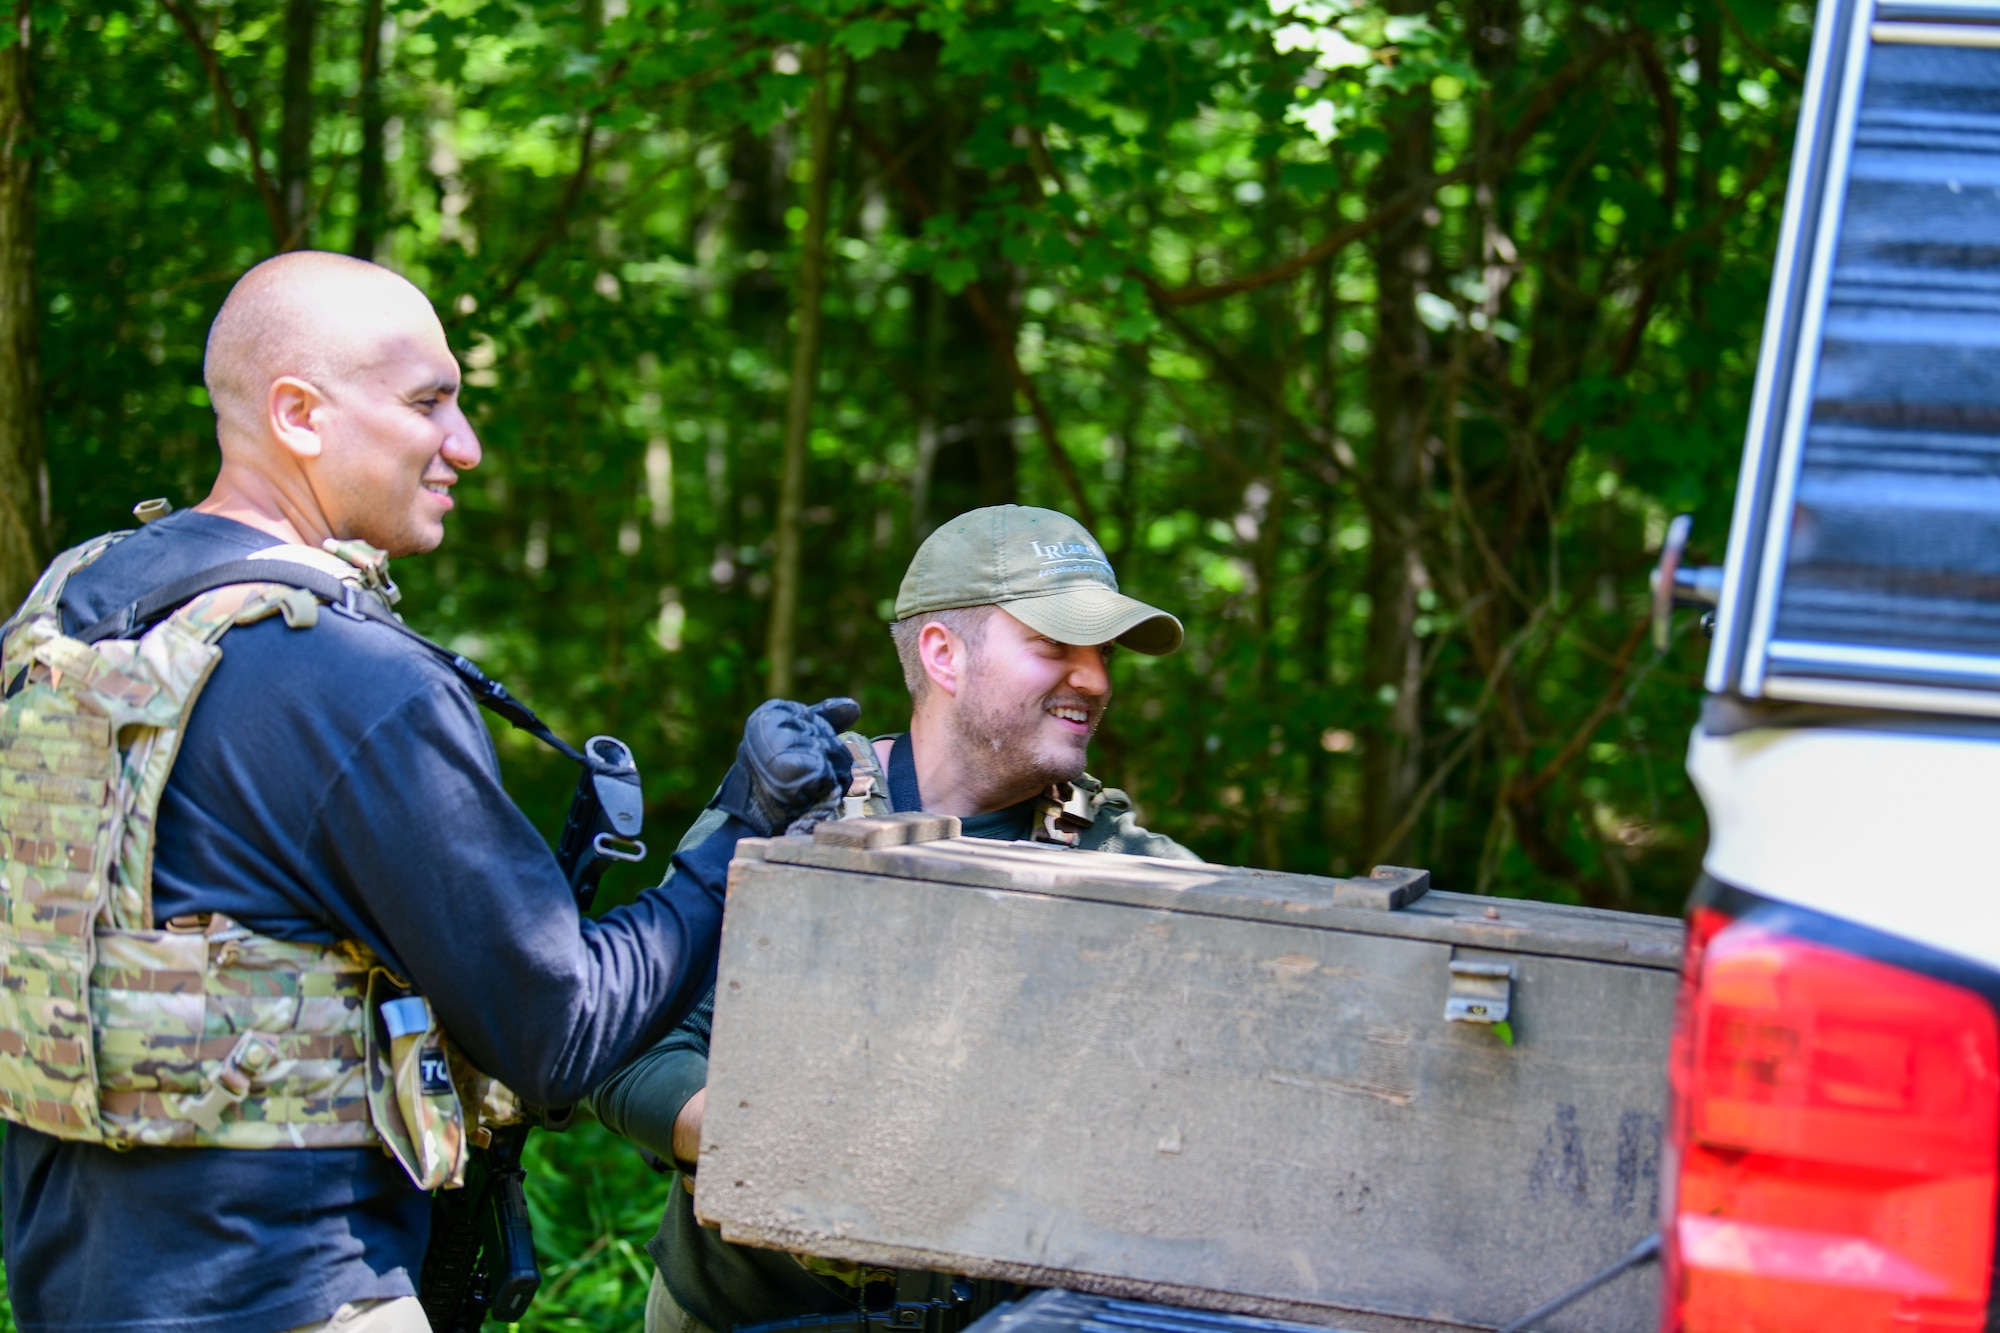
1044,568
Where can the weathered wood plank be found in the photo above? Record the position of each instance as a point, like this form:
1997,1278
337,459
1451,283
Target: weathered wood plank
1549,929
894,830
1246,1109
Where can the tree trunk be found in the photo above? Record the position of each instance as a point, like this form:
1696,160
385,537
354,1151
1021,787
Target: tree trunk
296,126
996,455
1481,446
930,326
1391,661
370,182
1562,324
781,641
1702,266
24,477
1321,590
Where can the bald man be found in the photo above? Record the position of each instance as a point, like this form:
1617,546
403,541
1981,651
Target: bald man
336,406
335,806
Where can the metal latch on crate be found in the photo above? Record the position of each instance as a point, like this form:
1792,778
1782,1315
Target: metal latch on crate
1481,991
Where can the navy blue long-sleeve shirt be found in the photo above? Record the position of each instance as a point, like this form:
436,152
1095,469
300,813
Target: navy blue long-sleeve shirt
337,782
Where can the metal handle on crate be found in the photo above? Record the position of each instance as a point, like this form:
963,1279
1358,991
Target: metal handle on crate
1481,992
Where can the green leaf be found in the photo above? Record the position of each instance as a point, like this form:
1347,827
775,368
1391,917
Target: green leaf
1074,81
955,272
1119,46
1309,178
1136,326
1053,250
864,38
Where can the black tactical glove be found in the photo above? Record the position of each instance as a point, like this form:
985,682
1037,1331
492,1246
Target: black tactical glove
790,760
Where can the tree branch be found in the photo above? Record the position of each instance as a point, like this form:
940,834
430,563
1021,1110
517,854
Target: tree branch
1225,366
1756,48
1655,267
1473,726
586,158
1531,117
267,189
1042,164
1670,144
997,333
559,220
1621,667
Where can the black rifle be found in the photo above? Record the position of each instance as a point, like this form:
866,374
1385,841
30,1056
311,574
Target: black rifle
481,1262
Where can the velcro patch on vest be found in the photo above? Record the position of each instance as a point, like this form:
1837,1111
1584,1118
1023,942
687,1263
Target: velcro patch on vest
435,1072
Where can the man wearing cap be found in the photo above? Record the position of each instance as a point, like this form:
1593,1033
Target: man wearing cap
1005,624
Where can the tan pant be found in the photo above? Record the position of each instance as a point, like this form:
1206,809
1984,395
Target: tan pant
401,1314
664,1314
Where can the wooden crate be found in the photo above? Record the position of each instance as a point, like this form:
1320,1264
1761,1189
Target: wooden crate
1206,1085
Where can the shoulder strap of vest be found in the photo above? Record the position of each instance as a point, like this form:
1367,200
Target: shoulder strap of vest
903,792
343,597
48,589
131,620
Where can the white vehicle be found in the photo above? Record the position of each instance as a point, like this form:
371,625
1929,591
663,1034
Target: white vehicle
1834,1146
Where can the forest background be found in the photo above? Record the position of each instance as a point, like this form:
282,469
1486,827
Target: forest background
1377,341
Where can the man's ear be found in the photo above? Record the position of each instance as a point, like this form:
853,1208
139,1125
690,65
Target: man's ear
292,410
942,654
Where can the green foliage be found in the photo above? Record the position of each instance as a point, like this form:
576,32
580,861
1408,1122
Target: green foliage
604,201
595,1205
1066,237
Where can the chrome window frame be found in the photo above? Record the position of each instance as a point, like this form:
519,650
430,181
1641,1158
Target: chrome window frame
1776,361
1831,190
1747,659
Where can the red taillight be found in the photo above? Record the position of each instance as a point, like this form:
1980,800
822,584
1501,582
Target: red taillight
1834,1144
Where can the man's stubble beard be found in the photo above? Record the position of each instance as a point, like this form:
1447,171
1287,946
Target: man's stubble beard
392,526
997,743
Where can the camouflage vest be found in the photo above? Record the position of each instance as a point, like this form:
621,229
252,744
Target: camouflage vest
1063,813
201,1033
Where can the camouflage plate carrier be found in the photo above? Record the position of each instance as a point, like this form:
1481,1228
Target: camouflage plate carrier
200,1033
